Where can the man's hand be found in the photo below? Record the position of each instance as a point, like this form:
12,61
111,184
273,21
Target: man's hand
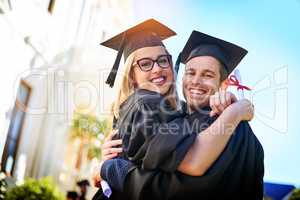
246,109
221,100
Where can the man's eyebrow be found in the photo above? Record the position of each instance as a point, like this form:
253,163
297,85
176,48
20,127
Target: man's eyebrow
189,68
209,71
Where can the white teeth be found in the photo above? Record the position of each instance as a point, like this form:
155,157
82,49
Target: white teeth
194,91
157,80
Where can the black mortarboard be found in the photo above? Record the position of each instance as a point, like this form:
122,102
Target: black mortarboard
83,182
72,194
146,34
200,44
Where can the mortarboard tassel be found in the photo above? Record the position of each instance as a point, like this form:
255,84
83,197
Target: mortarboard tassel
113,73
177,63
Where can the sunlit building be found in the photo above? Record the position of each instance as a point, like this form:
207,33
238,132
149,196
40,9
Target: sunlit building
61,69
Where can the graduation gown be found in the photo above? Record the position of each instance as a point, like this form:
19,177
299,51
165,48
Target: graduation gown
151,130
155,135
237,174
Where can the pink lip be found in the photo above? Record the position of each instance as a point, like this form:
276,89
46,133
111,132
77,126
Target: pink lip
162,82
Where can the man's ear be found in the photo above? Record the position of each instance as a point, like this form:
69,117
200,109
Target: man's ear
224,85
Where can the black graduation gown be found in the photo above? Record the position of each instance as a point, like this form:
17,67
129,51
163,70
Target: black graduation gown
151,130
237,174
153,133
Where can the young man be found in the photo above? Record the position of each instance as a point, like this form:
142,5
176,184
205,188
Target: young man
238,172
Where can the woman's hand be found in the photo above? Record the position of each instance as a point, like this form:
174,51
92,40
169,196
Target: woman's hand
221,100
109,151
110,147
245,109
96,175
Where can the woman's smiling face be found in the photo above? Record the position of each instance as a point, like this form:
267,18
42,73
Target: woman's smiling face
201,79
159,78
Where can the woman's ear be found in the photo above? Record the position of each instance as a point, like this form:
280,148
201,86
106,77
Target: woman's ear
132,79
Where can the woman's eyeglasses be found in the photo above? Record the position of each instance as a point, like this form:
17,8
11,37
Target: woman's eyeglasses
146,64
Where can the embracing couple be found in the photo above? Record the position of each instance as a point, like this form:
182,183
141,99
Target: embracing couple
164,148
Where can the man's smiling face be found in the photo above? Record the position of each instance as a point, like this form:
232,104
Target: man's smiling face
200,80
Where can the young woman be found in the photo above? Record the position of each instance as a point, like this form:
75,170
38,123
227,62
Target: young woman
147,107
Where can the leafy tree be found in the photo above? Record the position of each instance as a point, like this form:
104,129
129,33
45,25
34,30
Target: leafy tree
42,189
88,129
3,186
295,195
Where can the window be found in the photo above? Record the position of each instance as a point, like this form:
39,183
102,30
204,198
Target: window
15,128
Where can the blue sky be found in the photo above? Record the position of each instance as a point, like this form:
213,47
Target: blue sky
270,31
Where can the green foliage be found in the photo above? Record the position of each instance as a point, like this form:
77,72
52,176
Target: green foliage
295,195
89,129
94,152
43,189
88,126
3,186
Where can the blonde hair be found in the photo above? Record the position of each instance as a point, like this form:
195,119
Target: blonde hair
126,87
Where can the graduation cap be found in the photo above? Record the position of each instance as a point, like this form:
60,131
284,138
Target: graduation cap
72,194
149,33
200,44
83,182
276,190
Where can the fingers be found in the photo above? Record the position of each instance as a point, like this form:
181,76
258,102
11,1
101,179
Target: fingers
97,181
232,97
212,113
251,111
111,135
111,150
246,109
228,99
96,175
97,184
212,105
111,143
224,102
109,153
217,100
110,147
221,100
216,103
110,156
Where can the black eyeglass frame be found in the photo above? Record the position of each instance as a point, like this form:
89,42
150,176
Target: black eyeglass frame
169,57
